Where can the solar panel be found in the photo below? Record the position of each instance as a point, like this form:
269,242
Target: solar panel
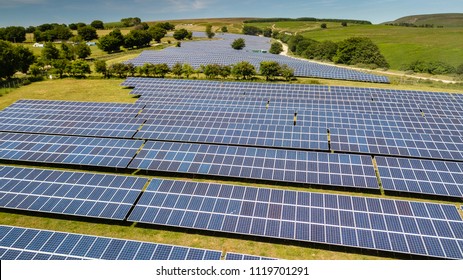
397,143
309,138
70,125
68,150
74,108
432,177
70,193
243,257
32,244
415,228
258,163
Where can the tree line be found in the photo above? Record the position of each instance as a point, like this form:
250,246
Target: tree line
242,70
266,20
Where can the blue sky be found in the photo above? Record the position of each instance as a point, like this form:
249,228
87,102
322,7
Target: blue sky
35,12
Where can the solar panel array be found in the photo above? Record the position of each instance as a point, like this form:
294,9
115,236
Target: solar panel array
386,225
32,244
70,193
433,177
355,171
85,151
220,52
242,257
236,134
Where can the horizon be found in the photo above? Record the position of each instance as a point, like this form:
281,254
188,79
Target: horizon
36,12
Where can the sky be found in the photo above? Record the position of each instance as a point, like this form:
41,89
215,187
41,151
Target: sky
36,12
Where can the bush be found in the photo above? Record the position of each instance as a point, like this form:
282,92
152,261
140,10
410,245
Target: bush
239,44
276,48
459,69
430,67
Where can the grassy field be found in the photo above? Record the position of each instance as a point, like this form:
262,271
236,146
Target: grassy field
402,45
446,20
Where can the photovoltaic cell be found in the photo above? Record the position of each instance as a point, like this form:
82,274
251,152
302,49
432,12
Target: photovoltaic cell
370,223
70,193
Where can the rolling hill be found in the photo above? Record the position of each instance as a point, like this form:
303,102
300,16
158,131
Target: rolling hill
445,20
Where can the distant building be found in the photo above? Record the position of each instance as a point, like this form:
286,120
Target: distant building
91,44
37,45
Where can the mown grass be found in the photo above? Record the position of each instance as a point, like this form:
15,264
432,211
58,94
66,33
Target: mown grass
93,90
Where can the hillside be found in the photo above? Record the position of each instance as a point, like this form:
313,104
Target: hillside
445,20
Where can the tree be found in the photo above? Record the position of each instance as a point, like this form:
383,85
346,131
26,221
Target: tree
239,44
97,24
224,29
286,72
251,30
325,50
209,32
138,39
267,32
165,25
111,42
161,70
87,33
101,67
67,52
177,69
79,68
212,71
323,26
35,70
50,52
60,66
180,34
225,71
7,59
359,50
24,58
276,48
132,21
119,69
73,26
157,33
188,70
14,34
243,70
344,24
82,51
270,69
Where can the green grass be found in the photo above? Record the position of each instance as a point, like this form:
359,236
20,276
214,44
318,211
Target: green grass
97,90
403,45
446,20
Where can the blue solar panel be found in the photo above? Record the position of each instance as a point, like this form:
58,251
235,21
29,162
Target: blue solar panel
236,134
421,176
370,223
31,244
68,150
398,143
70,125
243,257
70,193
258,163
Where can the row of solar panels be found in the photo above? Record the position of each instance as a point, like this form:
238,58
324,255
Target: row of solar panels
302,167
416,228
19,243
149,86
396,137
